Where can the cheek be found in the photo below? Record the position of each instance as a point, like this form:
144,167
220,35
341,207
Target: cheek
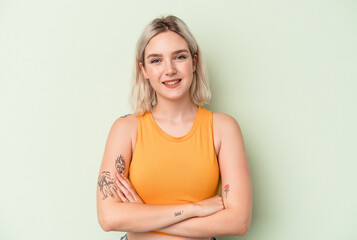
189,66
188,69
153,72
154,84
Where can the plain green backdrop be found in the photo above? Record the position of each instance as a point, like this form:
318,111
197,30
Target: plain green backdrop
286,70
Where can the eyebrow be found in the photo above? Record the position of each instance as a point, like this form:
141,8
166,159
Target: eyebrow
173,53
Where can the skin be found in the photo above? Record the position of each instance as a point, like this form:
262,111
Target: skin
167,58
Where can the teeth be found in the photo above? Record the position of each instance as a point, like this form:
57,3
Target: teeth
171,83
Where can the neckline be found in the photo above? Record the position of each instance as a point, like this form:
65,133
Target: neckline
177,139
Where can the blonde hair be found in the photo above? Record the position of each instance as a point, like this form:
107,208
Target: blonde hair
143,96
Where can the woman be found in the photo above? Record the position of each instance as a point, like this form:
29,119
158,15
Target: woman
163,165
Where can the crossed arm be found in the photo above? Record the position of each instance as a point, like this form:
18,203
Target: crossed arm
121,209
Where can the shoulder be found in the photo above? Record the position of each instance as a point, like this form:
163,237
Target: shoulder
124,132
223,122
227,134
126,120
225,129
126,124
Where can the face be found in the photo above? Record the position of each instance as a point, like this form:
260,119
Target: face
169,66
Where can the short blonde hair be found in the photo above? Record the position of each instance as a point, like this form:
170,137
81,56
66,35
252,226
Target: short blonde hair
143,96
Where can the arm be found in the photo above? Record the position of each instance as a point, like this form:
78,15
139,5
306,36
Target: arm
236,190
116,215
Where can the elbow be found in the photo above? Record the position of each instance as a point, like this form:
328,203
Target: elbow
105,228
105,223
240,223
108,223
240,228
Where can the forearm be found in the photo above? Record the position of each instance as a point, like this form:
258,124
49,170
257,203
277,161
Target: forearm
225,222
133,217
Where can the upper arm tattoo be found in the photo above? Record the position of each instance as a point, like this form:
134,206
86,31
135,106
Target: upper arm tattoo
106,185
120,164
227,189
105,181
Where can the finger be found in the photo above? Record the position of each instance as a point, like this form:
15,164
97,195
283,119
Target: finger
125,191
125,188
121,196
118,191
118,176
125,181
121,191
127,184
132,190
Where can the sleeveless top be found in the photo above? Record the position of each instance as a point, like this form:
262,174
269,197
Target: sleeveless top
175,170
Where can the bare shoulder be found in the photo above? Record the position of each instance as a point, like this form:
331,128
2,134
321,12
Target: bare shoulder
126,123
224,123
226,131
125,127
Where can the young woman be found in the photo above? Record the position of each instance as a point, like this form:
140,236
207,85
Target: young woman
164,165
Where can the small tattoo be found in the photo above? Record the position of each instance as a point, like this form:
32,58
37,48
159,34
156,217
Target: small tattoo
120,164
227,189
106,185
178,213
124,116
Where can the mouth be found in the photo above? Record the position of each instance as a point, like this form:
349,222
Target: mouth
171,82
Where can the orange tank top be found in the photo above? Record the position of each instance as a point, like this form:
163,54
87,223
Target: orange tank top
175,170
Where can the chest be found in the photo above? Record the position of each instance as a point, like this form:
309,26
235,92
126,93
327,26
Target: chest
174,172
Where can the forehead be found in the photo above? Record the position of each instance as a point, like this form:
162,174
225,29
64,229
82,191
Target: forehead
165,43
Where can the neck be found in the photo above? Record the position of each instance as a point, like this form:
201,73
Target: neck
174,110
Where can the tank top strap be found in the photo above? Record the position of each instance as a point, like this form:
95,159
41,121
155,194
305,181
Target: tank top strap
205,118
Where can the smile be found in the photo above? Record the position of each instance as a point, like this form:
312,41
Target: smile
172,82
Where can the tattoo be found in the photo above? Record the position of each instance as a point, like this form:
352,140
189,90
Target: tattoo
226,189
124,116
106,185
178,213
120,164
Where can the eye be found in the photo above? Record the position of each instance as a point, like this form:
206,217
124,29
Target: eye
155,60
181,57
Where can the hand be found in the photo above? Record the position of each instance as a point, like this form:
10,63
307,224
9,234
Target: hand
126,191
210,206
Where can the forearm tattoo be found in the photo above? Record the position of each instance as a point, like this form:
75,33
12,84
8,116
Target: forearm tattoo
178,213
120,164
106,185
227,189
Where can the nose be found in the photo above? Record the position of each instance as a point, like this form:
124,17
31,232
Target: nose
170,68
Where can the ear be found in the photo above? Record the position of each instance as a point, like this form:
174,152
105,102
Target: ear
194,60
143,70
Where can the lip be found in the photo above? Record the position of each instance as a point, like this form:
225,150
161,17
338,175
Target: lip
172,85
171,80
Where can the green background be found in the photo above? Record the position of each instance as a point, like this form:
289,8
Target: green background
286,70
